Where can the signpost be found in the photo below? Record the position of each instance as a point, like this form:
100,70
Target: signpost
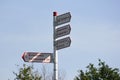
57,43
63,43
37,57
61,19
62,31
59,32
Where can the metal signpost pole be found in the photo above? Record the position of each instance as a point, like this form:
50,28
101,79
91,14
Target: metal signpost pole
55,57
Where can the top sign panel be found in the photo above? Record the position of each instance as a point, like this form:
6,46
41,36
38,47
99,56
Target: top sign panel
64,18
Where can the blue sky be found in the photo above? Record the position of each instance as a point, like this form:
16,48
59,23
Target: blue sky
27,25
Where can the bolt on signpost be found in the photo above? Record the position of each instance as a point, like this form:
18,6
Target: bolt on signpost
57,43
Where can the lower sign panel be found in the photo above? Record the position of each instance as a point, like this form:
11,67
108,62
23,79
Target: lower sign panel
37,57
63,43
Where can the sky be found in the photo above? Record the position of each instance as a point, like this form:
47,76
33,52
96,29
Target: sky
27,25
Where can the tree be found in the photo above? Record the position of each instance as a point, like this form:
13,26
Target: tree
103,72
61,75
27,73
48,75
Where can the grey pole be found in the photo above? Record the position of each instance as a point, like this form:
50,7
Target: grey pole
54,49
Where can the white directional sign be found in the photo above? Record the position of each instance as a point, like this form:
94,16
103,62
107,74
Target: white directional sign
61,19
63,43
62,31
37,57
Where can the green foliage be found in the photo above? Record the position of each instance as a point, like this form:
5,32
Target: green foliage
103,72
26,73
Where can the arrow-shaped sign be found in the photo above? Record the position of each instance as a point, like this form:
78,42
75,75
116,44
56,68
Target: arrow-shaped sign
61,19
37,57
62,31
63,43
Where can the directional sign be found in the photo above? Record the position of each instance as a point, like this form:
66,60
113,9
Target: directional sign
62,31
37,57
63,43
61,19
